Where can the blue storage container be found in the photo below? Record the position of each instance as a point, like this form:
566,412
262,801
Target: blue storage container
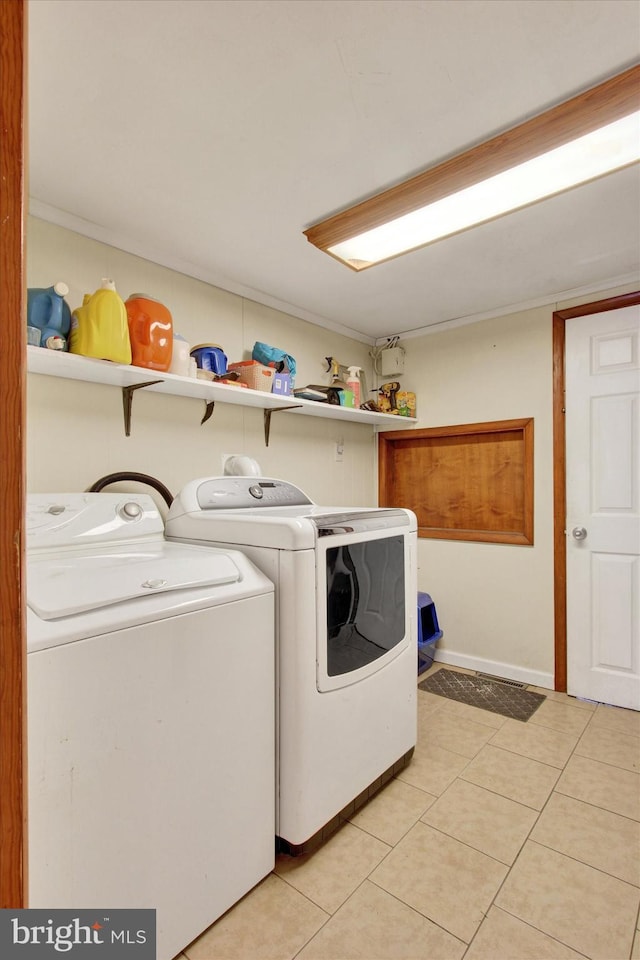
48,312
429,631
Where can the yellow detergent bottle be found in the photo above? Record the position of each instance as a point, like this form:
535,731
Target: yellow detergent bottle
99,328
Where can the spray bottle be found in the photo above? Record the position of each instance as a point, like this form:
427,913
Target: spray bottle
333,366
353,383
340,388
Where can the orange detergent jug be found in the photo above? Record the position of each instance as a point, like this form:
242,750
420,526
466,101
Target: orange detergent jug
99,327
150,332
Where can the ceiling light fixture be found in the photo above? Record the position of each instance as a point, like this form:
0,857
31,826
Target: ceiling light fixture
582,139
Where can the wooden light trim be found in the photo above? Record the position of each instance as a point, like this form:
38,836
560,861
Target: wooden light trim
612,100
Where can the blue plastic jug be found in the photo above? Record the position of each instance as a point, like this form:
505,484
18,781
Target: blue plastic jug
48,311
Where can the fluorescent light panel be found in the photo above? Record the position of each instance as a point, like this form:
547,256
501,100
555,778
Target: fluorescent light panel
401,221
615,146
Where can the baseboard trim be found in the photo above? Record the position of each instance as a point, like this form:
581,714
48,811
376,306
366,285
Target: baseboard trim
509,671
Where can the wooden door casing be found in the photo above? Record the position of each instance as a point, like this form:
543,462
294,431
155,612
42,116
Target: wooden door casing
560,318
13,853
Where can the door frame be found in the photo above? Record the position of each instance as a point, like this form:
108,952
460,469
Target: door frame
560,318
13,762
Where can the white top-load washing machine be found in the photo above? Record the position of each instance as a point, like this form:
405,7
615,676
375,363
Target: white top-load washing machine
346,588
150,716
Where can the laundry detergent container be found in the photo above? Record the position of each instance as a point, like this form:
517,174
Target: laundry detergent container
48,316
210,357
150,332
99,328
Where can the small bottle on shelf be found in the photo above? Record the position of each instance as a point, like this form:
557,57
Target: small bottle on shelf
353,383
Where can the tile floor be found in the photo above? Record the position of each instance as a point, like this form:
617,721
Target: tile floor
501,841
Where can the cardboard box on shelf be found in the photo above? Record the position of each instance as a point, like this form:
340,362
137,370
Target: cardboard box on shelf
281,384
406,403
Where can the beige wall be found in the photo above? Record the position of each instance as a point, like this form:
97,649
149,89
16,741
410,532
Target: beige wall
494,601
75,431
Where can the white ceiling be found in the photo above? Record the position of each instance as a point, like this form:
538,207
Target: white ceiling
207,134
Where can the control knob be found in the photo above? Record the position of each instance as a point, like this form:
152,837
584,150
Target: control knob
130,511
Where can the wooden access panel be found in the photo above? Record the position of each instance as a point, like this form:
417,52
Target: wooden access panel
463,482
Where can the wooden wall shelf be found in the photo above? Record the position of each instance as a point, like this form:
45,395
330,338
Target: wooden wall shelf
70,366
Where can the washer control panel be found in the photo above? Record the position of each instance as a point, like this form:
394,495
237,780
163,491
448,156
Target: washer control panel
238,493
79,519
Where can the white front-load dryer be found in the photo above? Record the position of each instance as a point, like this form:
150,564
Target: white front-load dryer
346,613
150,716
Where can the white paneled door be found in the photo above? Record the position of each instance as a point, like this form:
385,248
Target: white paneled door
603,506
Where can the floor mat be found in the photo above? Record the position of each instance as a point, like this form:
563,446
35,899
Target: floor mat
487,694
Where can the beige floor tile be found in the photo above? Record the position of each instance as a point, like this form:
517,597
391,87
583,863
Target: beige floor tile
331,874
476,714
502,936
563,717
602,785
428,703
610,746
536,742
432,769
615,718
604,840
558,697
373,925
393,811
445,880
585,909
254,928
511,775
454,733
487,822
635,953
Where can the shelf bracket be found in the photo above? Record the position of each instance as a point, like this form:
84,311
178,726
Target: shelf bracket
127,401
267,419
208,410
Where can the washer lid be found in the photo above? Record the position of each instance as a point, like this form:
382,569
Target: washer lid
62,586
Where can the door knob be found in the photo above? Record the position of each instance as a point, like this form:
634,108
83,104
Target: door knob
579,533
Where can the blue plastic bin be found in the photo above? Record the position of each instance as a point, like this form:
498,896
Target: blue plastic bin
429,631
